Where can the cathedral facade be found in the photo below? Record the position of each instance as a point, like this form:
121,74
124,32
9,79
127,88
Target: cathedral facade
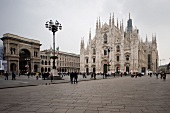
115,49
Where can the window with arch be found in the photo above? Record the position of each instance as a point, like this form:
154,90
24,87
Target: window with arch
127,57
117,58
42,62
45,62
49,63
94,51
86,60
105,52
105,38
118,48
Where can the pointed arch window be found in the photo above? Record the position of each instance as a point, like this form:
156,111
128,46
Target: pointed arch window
105,38
127,57
118,48
94,51
105,52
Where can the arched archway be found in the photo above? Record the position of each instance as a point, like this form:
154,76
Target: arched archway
105,68
42,70
45,69
35,68
127,69
13,67
24,61
49,69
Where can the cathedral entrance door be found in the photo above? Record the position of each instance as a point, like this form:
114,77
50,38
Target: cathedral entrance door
94,70
127,69
105,68
87,70
117,69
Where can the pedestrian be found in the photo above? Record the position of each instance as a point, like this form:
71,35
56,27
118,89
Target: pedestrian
161,75
94,74
6,75
71,77
75,77
114,74
51,76
150,74
106,74
28,74
13,76
121,74
157,75
164,76
103,75
91,75
84,76
37,75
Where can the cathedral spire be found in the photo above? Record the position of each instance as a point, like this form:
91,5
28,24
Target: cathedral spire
122,25
113,20
155,37
110,20
82,43
90,34
146,38
117,23
99,23
129,15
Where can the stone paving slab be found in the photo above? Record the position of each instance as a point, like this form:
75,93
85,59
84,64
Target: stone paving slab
122,95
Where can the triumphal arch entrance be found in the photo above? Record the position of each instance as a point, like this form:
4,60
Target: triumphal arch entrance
22,54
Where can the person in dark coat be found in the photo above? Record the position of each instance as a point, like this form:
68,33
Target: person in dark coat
75,77
51,76
13,76
94,74
164,76
6,75
157,75
71,77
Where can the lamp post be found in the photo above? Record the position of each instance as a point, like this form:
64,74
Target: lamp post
54,27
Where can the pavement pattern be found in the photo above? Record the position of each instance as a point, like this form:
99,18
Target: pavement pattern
115,95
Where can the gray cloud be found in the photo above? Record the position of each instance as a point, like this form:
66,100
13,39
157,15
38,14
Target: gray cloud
27,18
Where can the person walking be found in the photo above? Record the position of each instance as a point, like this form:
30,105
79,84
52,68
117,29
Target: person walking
6,75
51,76
28,74
13,76
121,74
71,77
75,77
37,75
91,75
164,76
94,74
157,75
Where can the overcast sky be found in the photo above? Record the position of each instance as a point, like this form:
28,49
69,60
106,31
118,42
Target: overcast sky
27,18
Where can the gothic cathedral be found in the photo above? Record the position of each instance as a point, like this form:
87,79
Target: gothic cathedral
115,49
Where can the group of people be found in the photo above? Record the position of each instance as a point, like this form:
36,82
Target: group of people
6,74
73,77
163,75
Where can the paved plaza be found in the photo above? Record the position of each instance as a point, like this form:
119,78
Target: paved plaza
113,95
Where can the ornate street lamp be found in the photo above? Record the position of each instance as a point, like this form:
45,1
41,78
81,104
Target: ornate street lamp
54,27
